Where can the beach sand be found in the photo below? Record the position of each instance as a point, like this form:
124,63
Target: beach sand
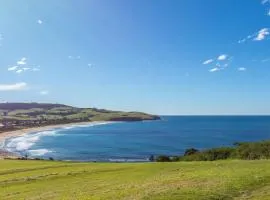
6,135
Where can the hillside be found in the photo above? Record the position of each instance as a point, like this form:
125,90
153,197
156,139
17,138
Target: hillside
21,115
181,180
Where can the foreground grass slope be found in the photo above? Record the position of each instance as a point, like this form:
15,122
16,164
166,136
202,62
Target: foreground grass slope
231,179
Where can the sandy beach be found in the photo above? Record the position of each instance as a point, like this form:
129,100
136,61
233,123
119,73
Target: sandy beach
9,134
6,135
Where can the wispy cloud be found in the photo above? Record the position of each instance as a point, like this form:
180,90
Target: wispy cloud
12,68
265,60
19,71
1,38
221,62
44,92
258,36
39,21
74,57
35,69
265,1
246,38
222,57
215,69
242,69
208,61
261,35
13,87
226,65
22,61
26,68
22,66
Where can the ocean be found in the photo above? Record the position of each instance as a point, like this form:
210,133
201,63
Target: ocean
136,141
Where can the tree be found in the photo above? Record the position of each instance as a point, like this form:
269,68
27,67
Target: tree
163,158
191,151
152,158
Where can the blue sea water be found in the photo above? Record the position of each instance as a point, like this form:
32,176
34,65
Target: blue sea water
136,141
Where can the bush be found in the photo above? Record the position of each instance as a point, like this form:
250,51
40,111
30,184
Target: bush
163,158
244,151
252,151
151,158
191,151
219,153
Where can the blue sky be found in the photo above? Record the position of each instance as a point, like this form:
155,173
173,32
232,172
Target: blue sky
163,57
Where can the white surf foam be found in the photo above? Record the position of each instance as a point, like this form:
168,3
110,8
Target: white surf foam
86,125
25,142
39,152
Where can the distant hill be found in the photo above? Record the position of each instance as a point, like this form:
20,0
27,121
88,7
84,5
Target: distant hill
16,106
21,115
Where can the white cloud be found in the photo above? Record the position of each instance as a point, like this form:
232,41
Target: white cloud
90,65
208,61
13,87
44,92
222,57
19,71
242,41
247,38
214,69
1,38
35,69
22,61
218,65
265,1
242,69
12,68
258,36
225,65
265,60
26,68
261,35
39,21
74,57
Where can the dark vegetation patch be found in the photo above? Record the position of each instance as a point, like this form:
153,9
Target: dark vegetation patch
243,151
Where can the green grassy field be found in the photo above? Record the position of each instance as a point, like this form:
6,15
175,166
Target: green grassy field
229,179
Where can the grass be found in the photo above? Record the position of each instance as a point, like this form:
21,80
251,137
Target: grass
230,179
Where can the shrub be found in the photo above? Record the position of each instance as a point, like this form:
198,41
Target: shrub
191,151
151,158
252,151
246,151
163,158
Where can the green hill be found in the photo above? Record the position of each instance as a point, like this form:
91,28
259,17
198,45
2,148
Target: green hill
23,115
231,179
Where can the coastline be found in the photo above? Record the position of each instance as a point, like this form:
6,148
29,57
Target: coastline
16,133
